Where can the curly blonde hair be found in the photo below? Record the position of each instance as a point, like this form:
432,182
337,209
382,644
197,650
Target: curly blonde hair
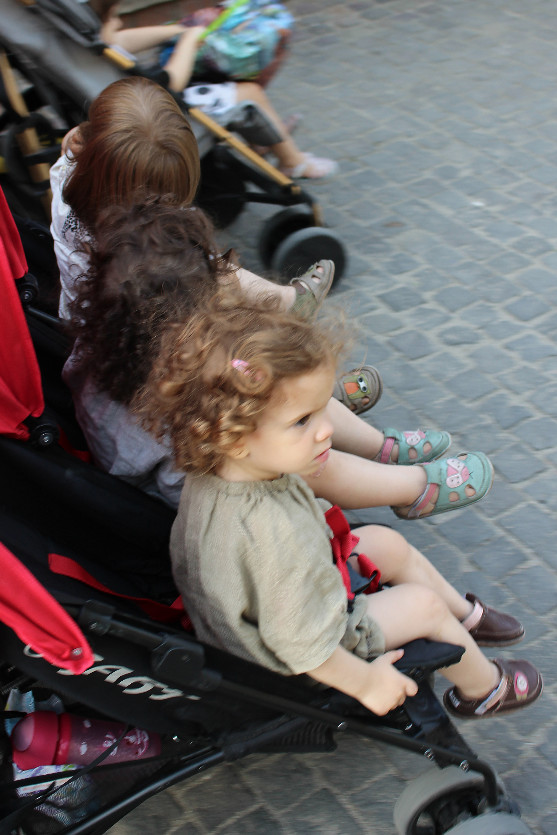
204,403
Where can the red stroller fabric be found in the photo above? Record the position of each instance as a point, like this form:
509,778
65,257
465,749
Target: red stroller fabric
38,619
20,380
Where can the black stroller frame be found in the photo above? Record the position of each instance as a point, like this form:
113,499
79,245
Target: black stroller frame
209,706
32,32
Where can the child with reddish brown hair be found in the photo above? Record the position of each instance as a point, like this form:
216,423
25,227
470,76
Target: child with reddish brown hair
137,140
242,394
217,99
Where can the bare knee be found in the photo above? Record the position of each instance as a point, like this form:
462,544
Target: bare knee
388,549
433,611
250,91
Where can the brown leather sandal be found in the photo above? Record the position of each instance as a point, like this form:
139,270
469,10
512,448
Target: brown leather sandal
520,685
491,628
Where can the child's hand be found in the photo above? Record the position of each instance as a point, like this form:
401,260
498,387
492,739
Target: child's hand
194,32
386,688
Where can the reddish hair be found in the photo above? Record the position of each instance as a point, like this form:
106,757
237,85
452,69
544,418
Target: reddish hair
136,138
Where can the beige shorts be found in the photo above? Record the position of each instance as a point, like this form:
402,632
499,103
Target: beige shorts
363,635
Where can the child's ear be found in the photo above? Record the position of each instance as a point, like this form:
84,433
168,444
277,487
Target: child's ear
239,450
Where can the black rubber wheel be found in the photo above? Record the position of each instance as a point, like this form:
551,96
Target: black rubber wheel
279,226
222,191
303,248
494,823
436,800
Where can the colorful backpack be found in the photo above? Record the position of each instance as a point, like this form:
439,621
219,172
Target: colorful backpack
243,38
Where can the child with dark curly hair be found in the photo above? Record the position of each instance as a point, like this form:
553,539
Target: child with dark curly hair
152,264
242,394
137,144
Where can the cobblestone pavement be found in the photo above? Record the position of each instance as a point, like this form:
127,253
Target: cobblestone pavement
444,121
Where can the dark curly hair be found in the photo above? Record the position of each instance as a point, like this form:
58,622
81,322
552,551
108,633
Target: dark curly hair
217,370
150,264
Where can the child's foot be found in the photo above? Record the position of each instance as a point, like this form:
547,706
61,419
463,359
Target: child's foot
312,287
310,168
491,628
451,483
290,124
360,389
413,446
520,685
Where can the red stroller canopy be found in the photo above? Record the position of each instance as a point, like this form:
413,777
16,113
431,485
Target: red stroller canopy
38,619
20,380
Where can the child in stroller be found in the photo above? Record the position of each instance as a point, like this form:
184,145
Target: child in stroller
216,99
242,394
212,707
139,267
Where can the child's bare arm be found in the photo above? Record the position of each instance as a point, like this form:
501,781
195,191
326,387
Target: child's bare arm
180,64
377,685
139,38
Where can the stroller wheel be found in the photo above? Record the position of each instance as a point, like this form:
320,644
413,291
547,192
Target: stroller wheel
437,799
279,226
301,249
496,823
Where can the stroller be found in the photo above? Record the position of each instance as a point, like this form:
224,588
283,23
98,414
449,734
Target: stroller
91,628
61,66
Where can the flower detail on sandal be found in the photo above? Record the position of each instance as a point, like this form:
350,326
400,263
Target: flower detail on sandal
359,389
413,439
451,479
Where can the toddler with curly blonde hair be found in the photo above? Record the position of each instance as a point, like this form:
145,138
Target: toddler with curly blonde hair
242,393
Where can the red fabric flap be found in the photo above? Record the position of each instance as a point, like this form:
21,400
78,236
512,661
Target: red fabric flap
158,611
38,619
20,379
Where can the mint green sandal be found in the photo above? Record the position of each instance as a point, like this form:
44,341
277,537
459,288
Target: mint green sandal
413,439
312,287
452,476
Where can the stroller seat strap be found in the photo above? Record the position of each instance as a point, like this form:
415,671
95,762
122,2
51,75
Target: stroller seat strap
161,612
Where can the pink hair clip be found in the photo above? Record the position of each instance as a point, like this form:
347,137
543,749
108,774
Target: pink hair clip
241,365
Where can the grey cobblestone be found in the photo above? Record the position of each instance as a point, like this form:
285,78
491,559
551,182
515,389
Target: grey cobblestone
443,119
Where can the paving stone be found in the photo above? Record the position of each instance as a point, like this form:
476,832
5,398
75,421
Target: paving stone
322,812
516,465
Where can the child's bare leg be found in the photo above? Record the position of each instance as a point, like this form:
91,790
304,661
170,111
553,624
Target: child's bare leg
255,285
399,562
287,152
353,482
352,434
413,611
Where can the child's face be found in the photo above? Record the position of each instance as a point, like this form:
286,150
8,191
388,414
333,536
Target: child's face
294,433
